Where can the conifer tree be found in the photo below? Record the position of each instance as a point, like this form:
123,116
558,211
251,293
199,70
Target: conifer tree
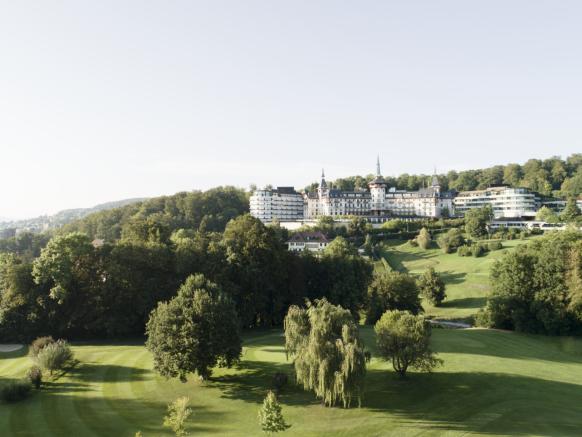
270,415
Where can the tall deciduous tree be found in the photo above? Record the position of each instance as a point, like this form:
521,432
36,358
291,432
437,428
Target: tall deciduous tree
328,355
571,212
347,275
432,287
404,339
545,214
256,267
194,332
392,291
476,221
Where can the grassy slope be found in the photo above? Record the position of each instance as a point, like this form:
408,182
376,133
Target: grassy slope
467,278
492,383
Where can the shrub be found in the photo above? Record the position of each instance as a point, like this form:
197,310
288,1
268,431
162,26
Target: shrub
495,245
15,391
280,380
54,356
478,250
39,344
178,414
423,239
449,241
483,319
464,251
34,375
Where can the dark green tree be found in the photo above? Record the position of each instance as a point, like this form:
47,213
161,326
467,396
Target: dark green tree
477,220
450,240
571,212
404,339
533,288
432,287
346,275
256,268
392,291
195,331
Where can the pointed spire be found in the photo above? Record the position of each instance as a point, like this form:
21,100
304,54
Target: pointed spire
378,166
435,179
323,183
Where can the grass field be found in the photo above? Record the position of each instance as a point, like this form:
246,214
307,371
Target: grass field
467,278
492,383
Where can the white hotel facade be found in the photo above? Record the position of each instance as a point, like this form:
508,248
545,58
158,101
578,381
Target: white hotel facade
504,201
380,203
283,204
376,204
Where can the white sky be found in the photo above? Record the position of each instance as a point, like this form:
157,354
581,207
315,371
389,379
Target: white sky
104,100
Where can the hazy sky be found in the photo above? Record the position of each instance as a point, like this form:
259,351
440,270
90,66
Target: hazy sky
104,100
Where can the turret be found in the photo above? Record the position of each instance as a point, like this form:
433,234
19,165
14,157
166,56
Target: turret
435,185
323,190
378,190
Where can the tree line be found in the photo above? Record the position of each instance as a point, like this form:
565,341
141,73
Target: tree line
550,177
537,288
78,289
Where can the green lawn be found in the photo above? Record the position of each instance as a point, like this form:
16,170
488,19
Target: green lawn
492,383
467,278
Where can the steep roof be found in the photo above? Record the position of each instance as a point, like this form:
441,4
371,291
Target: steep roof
304,237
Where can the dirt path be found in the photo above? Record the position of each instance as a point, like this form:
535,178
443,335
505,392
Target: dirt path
447,324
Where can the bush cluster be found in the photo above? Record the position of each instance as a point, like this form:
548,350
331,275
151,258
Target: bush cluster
479,249
54,356
34,375
39,344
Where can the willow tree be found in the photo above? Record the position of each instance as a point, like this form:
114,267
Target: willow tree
328,355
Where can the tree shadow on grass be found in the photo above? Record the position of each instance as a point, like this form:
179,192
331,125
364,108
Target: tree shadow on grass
513,345
89,372
490,403
468,302
452,278
123,416
255,378
396,258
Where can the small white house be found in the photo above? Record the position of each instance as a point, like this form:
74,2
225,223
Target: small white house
312,241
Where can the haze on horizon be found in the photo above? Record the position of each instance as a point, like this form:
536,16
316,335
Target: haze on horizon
101,101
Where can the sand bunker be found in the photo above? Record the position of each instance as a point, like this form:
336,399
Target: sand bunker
10,347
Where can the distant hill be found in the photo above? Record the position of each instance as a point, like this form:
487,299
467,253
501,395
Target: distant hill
46,222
